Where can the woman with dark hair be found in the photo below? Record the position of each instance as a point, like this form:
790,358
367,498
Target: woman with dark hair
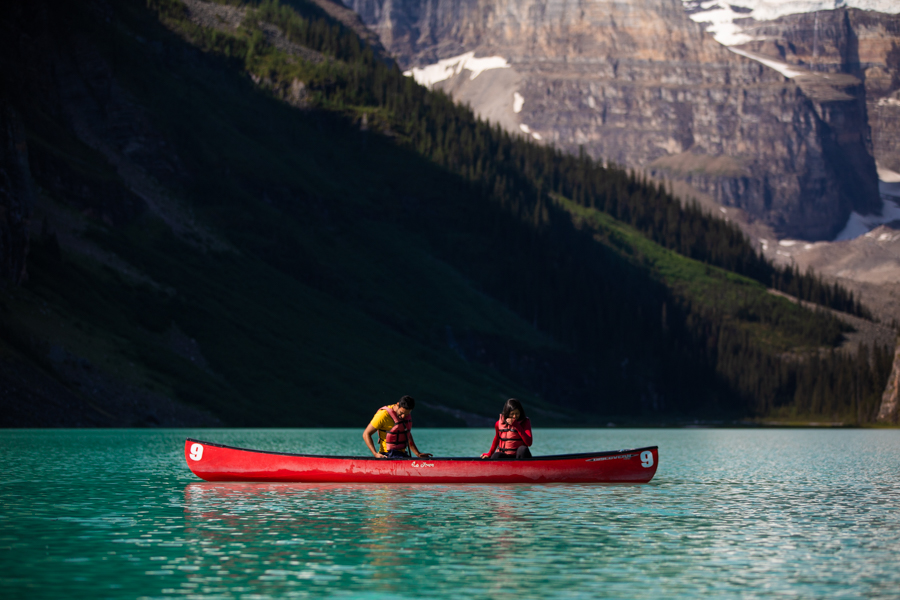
512,434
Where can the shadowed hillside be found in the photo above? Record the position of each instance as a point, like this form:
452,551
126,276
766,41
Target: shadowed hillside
251,218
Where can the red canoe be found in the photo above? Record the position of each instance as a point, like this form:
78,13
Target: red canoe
215,462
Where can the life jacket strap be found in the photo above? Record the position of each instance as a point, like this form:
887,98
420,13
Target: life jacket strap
510,440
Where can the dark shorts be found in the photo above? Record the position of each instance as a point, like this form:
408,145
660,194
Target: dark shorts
395,454
521,452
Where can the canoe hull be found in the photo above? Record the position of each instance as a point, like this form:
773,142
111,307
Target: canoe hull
215,462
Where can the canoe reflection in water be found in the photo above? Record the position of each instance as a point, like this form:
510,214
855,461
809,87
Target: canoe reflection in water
332,535
356,537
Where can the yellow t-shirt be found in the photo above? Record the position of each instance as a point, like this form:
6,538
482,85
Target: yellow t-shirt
383,422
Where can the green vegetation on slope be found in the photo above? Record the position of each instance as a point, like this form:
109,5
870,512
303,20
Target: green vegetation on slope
737,300
753,339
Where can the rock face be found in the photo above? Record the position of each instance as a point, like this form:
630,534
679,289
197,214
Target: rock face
16,197
890,402
637,82
861,43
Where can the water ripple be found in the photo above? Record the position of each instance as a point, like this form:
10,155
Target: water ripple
733,514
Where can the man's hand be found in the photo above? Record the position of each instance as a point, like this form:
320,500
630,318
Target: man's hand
485,455
367,438
424,455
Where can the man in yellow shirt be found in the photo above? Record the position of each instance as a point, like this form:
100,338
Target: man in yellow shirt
393,424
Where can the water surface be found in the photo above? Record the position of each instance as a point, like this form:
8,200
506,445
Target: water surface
730,514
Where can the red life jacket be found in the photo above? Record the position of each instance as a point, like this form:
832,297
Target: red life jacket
510,440
397,437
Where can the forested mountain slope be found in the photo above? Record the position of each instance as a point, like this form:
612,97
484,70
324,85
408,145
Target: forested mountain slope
248,217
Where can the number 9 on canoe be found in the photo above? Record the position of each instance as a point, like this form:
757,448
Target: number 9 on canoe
646,458
197,452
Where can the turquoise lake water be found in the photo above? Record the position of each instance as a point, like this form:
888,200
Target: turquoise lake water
730,514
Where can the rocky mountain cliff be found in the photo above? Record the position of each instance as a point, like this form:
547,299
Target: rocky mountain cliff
641,84
889,412
863,44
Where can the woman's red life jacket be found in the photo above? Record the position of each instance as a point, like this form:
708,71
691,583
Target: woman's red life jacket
397,437
510,440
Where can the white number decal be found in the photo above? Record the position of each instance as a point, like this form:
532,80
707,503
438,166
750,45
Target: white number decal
646,459
197,452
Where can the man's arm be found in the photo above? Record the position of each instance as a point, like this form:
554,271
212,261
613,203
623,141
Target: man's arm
367,438
412,446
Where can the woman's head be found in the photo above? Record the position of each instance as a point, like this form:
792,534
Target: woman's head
513,408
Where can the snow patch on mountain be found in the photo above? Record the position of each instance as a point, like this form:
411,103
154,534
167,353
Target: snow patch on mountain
526,129
518,102
857,224
887,176
784,68
450,67
719,17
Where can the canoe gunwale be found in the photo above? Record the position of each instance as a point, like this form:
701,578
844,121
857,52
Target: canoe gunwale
432,458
